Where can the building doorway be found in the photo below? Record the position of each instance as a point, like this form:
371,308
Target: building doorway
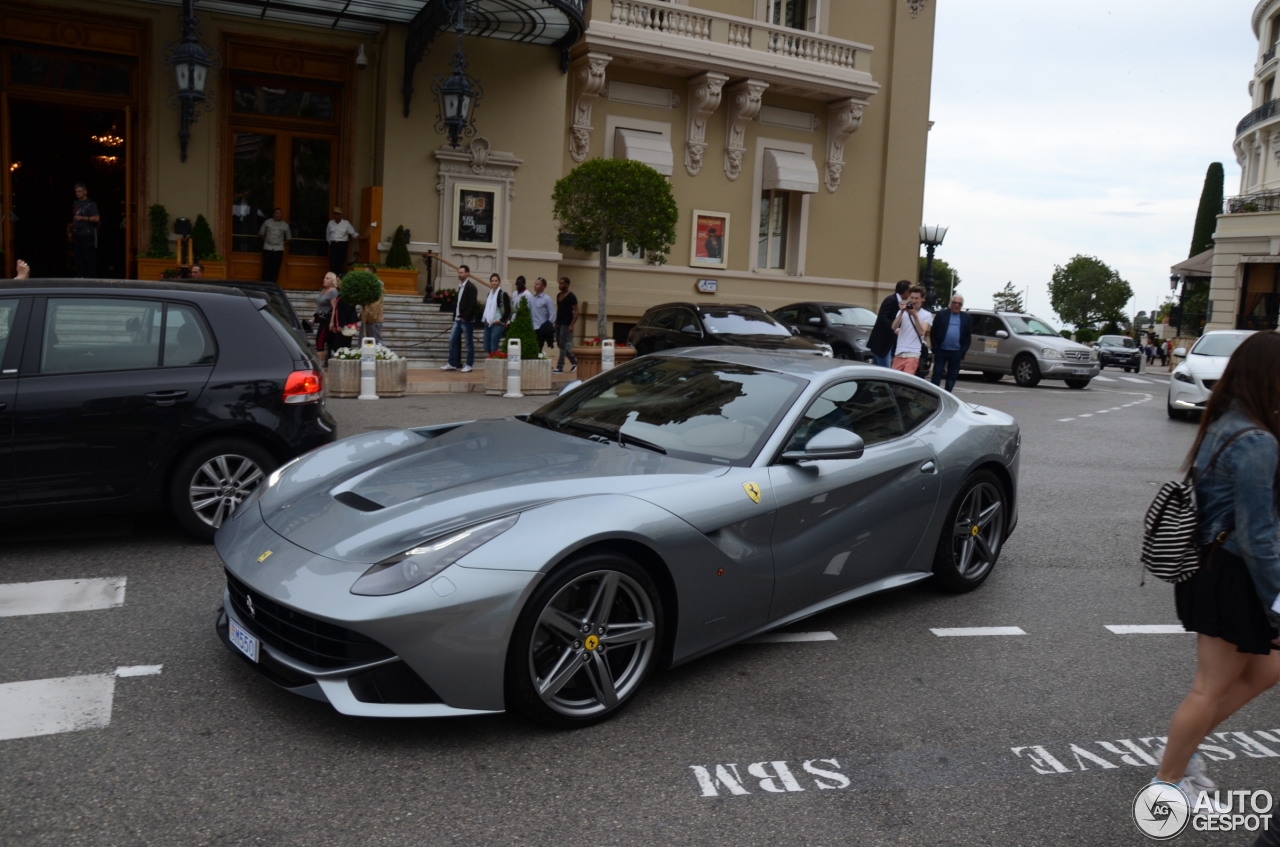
52,147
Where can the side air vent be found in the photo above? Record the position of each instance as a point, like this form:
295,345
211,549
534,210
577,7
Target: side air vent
358,502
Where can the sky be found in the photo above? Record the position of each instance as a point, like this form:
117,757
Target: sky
1080,128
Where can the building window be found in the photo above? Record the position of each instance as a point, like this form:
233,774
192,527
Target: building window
794,14
785,176
775,224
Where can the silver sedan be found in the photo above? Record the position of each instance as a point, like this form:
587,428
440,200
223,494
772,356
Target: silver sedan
666,508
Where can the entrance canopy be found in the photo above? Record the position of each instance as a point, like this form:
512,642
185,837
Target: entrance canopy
1200,265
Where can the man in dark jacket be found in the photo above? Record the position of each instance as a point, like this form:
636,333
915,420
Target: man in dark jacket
951,336
464,315
882,339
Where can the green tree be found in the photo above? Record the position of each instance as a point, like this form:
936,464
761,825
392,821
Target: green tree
1008,299
1210,208
1085,292
945,279
521,327
606,199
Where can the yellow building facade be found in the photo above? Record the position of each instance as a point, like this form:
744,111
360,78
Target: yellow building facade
793,133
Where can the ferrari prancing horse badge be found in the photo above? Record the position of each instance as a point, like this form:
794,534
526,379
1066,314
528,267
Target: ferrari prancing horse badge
753,491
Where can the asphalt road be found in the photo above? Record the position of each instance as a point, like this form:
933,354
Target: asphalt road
886,734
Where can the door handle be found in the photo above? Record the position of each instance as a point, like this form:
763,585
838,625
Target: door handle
929,467
165,398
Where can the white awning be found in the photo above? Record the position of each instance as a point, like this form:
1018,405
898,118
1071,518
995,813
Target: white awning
1199,265
785,171
650,148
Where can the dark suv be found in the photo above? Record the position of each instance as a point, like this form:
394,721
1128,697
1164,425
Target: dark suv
1119,350
133,396
674,325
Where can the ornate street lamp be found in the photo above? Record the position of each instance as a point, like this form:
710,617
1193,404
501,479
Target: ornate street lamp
931,237
191,65
457,94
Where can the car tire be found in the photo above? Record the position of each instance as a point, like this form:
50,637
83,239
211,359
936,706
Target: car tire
565,678
973,534
992,376
844,353
209,482
1026,372
1077,383
1176,414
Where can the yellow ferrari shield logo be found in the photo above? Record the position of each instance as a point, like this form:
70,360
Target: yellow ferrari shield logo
591,643
753,491
263,557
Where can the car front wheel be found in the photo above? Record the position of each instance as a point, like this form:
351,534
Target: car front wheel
1176,414
992,376
585,642
973,534
213,480
1077,383
1026,372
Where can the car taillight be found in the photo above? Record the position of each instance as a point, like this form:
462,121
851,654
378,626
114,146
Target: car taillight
303,387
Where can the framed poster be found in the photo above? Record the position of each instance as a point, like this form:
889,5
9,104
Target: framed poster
475,215
710,239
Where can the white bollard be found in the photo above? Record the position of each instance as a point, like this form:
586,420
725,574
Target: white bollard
513,369
368,370
606,354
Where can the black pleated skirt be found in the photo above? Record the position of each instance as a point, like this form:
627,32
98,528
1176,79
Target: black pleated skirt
1220,601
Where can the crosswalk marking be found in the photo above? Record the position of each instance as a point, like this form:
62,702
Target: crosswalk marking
962,631
50,706
61,595
1147,629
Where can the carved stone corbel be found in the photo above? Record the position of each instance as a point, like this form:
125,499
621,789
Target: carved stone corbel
589,74
745,99
843,120
916,6
704,98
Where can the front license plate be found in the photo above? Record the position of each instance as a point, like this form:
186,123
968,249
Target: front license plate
1080,371
244,642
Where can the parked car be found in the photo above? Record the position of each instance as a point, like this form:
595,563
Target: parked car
1027,347
843,326
548,563
1121,351
1193,378
120,397
673,325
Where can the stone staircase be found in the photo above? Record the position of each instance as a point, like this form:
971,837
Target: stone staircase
415,330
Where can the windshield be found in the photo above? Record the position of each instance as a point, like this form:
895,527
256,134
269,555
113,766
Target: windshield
725,322
1029,326
686,408
850,316
1218,344
1117,341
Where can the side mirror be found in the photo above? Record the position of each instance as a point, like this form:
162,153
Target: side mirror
1000,333
1180,352
831,443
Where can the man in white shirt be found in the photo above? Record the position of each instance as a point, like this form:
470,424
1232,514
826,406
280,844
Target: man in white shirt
274,232
543,311
911,325
339,233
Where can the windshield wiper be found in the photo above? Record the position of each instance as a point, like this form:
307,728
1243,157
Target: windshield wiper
543,421
616,436
627,438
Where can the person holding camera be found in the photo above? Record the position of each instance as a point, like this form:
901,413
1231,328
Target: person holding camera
911,325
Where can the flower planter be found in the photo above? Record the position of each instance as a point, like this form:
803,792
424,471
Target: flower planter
589,359
535,376
342,378
392,377
398,281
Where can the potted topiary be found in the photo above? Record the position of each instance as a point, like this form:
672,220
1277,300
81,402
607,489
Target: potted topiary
399,274
206,251
158,258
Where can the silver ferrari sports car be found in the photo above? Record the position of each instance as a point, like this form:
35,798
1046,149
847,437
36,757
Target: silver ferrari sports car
666,508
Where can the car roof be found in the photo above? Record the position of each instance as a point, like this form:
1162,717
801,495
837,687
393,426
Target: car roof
124,286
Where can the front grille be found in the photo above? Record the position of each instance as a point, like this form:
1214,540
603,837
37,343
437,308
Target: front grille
1077,355
393,683
304,638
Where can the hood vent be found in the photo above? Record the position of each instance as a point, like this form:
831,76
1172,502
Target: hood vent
358,502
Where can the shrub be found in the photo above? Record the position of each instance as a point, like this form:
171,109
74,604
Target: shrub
521,327
158,247
398,255
360,288
202,240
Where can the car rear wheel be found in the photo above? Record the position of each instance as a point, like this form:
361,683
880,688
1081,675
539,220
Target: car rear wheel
1026,372
992,376
973,534
585,642
213,480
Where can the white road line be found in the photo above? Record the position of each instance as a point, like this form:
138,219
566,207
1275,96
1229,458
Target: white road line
1147,629
1136,379
49,706
792,637
60,595
977,630
138,670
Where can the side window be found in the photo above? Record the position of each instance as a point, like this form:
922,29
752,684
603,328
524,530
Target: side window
985,325
687,321
85,334
791,316
867,408
8,309
916,406
664,319
186,339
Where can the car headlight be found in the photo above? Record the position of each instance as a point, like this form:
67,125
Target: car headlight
1050,353
414,567
1183,376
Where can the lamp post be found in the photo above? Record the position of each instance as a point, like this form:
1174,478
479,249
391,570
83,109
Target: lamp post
457,94
931,237
191,64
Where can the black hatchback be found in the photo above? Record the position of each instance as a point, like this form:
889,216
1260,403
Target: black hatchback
125,396
674,325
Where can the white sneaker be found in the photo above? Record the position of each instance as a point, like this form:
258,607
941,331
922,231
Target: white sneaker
1195,771
466,369
1199,801
447,368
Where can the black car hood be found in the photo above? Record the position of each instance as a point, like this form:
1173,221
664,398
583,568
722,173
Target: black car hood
769,342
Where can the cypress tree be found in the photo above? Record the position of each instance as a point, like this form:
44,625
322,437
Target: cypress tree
1210,208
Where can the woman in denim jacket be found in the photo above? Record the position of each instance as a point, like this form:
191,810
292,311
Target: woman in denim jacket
1233,600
